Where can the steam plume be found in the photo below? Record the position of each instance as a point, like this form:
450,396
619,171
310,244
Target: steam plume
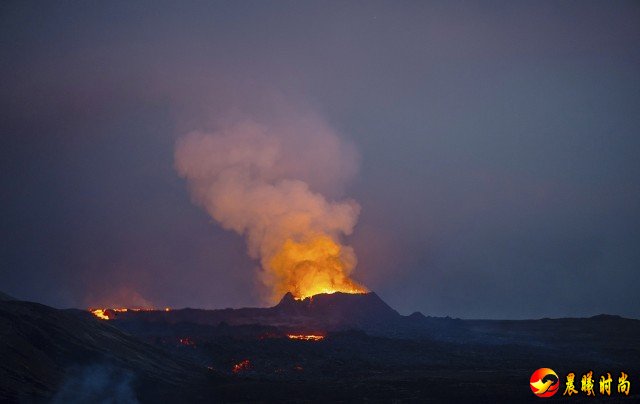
263,181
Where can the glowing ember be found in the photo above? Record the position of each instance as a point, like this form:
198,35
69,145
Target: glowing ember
186,341
303,337
241,366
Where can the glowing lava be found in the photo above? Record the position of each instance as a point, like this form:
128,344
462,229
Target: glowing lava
241,366
186,341
110,314
100,313
107,314
302,337
317,265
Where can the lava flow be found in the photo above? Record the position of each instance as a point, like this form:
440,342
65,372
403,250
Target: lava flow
107,314
110,314
241,366
302,337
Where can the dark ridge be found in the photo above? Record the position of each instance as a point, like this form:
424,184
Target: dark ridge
5,297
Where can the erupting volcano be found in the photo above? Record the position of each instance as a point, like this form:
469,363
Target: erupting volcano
313,267
265,182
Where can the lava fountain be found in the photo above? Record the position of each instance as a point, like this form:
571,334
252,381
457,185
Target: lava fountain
318,265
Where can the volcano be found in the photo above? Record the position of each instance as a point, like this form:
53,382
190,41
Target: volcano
337,310
319,313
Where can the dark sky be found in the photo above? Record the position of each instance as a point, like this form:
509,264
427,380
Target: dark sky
499,144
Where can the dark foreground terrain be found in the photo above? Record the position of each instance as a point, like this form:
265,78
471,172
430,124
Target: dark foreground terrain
369,352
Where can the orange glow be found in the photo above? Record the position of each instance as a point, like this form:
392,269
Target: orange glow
302,337
109,314
100,313
241,366
314,266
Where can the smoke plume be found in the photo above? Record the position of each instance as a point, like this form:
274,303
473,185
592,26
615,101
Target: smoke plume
97,383
272,183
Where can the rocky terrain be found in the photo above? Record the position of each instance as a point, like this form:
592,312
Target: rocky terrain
366,351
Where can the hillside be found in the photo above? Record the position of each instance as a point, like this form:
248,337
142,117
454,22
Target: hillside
43,349
364,350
